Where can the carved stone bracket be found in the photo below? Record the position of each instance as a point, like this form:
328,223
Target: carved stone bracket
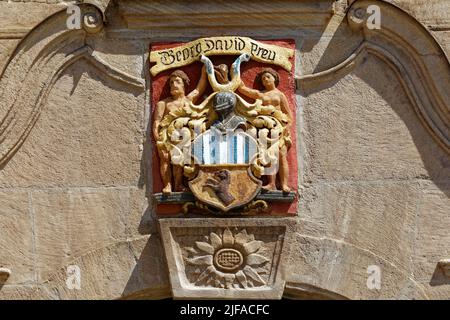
4,275
226,258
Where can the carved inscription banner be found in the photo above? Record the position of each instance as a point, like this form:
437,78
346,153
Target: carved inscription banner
224,127
190,52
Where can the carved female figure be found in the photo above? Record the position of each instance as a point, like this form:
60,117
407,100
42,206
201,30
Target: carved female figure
272,96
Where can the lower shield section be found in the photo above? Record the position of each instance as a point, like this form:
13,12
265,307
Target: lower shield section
226,258
225,187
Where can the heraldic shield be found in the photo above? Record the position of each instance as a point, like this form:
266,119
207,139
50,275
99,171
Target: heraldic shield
225,186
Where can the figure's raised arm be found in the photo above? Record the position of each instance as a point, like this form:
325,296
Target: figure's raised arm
201,87
157,117
251,93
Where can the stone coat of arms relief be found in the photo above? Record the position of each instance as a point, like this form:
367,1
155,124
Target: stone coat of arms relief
223,127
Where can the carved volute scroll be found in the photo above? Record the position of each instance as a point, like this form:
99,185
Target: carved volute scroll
26,82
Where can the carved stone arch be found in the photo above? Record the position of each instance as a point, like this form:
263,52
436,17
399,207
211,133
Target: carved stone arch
303,291
412,52
35,66
132,269
332,269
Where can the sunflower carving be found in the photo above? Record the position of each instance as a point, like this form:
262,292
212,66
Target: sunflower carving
227,260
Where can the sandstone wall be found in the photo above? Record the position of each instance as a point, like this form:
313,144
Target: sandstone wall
373,127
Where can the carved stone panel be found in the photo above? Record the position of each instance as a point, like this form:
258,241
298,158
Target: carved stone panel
226,258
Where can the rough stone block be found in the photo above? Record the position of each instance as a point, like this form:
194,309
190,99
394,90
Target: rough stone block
70,223
378,217
432,242
16,237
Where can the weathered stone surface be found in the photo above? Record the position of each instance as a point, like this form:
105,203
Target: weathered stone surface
19,17
24,292
131,268
328,48
433,13
16,237
141,220
126,55
149,276
73,222
341,268
350,129
6,48
227,258
444,40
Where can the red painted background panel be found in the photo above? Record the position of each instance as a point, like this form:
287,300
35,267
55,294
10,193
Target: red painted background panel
249,70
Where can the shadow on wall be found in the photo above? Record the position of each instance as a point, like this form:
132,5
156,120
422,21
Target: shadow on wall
439,277
149,278
388,86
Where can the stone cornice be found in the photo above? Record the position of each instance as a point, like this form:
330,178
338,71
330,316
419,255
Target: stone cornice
236,13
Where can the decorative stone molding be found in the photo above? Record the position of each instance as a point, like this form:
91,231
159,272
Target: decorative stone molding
304,291
101,5
411,51
226,258
93,21
35,66
322,266
224,14
16,33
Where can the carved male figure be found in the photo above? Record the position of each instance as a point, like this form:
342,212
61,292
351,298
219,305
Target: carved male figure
178,82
